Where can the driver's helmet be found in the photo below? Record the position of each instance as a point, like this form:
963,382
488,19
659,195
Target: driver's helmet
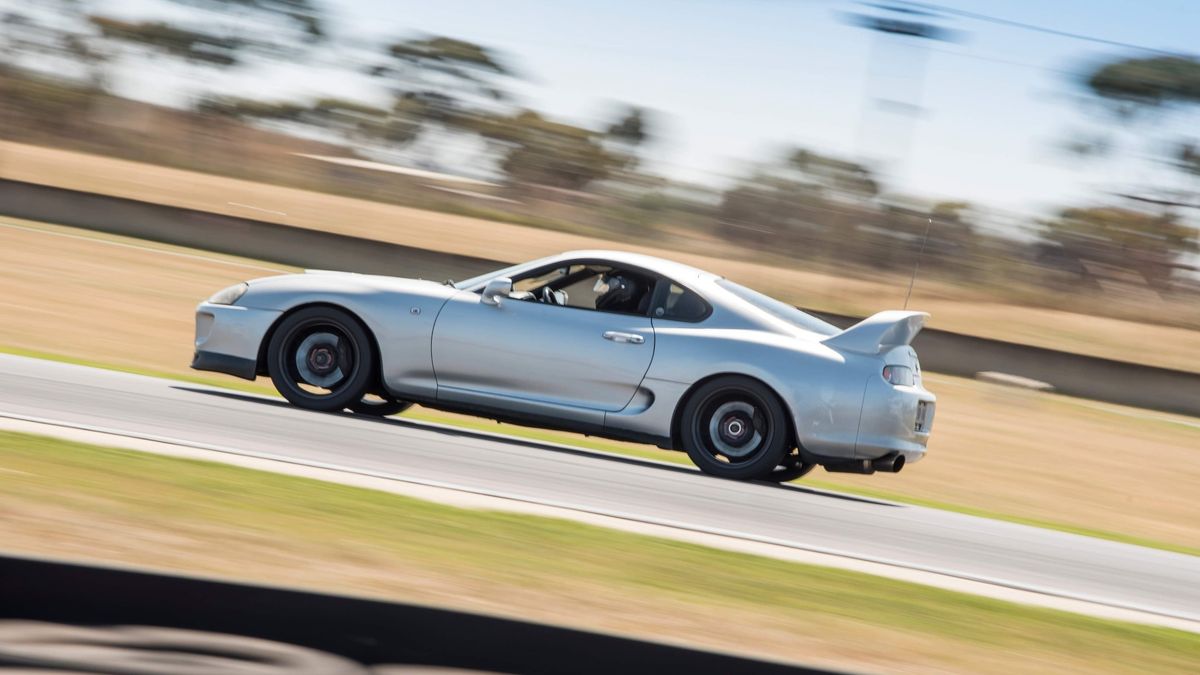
616,292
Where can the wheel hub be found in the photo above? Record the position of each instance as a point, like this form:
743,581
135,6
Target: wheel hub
319,360
733,431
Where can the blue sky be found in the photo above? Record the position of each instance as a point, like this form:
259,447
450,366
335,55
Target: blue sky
736,80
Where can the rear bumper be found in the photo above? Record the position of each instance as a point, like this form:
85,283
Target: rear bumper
228,338
895,419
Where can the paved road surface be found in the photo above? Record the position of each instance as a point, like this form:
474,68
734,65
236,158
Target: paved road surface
1063,564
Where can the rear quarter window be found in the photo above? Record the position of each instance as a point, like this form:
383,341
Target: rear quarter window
681,304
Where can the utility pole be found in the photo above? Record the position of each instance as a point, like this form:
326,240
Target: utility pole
895,78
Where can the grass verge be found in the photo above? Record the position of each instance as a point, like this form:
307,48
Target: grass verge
64,498
635,450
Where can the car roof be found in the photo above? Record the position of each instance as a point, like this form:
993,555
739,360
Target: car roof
684,274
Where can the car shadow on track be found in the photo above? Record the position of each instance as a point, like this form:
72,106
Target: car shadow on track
530,443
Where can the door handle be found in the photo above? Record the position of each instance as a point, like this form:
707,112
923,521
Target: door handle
618,336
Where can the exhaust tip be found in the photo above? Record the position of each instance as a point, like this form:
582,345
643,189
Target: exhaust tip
862,466
892,463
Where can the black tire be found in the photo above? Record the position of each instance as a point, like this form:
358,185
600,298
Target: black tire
379,405
792,468
336,361
735,427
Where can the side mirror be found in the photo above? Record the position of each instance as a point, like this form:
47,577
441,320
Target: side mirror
496,290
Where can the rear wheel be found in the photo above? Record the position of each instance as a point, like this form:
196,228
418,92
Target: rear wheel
320,358
735,427
791,468
379,405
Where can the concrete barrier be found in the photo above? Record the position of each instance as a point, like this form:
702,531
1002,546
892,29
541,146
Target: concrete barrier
1071,374
227,234
941,351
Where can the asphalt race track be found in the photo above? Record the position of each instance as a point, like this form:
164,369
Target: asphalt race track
1067,565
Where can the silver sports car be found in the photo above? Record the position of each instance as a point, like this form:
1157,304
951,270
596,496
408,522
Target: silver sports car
605,343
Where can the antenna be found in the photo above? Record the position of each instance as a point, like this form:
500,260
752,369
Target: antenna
917,264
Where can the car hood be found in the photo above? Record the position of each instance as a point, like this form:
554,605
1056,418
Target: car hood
323,282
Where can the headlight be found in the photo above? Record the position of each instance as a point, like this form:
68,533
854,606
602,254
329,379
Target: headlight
228,296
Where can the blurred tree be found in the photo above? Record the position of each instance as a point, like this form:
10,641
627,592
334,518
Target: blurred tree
50,73
189,45
224,31
1133,86
630,129
442,81
52,47
1187,158
839,178
355,122
1137,83
953,240
251,108
535,150
808,201
627,134
301,16
1149,244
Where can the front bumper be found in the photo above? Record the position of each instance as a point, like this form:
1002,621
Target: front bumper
895,419
228,338
224,363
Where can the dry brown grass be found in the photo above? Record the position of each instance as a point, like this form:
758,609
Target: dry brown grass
1056,459
952,308
1029,455
105,302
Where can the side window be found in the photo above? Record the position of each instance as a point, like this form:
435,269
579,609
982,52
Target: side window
681,304
590,286
582,294
547,277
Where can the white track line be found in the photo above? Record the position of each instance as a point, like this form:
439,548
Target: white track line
469,497
256,208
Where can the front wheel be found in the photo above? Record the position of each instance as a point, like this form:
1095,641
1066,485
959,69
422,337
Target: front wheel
735,427
320,358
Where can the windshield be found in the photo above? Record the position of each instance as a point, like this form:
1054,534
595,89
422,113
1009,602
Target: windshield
779,309
511,270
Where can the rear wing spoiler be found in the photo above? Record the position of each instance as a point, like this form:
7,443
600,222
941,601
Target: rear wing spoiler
879,333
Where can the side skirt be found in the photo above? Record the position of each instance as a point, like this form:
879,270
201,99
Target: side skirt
539,421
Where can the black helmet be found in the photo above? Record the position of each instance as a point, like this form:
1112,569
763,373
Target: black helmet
620,296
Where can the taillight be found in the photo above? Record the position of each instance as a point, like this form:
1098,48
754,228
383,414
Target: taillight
898,375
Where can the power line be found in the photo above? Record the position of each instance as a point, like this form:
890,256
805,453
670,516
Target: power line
1033,27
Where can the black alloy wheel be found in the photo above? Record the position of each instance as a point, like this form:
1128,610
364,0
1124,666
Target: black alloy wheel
735,427
320,358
